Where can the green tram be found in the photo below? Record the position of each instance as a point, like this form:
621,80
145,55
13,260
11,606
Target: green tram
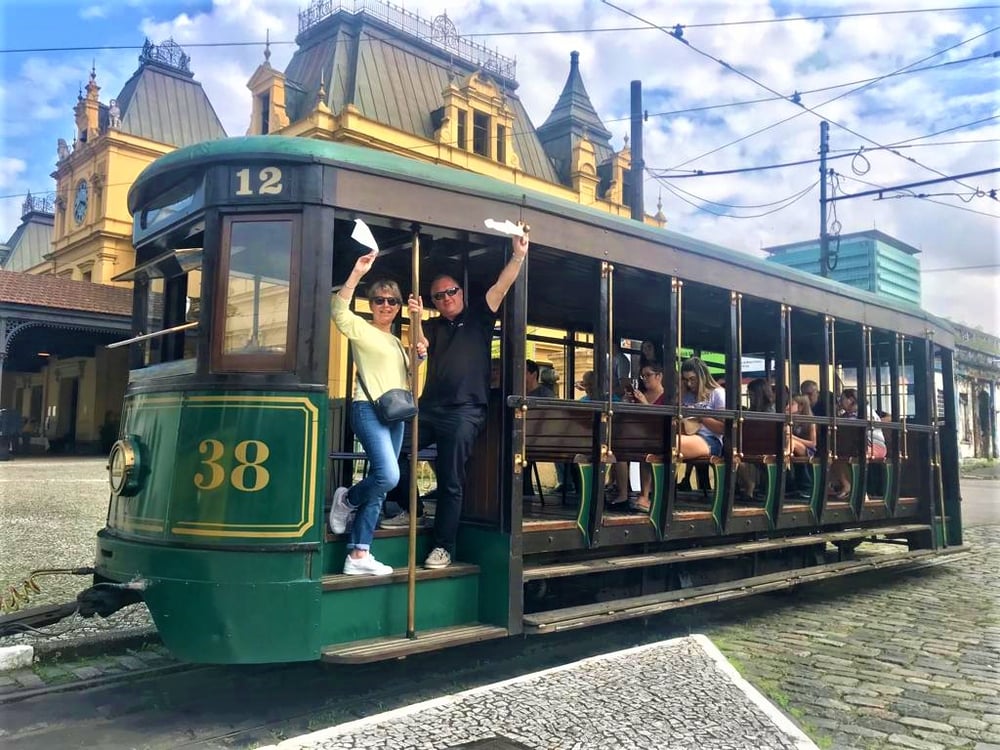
233,429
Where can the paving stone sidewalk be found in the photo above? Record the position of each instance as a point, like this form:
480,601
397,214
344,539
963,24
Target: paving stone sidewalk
911,661
678,694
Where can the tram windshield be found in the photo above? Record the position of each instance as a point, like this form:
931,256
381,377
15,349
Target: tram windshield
255,314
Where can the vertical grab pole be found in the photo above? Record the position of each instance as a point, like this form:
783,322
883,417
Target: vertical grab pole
411,564
938,479
679,287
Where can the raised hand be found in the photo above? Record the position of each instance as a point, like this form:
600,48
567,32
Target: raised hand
364,264
519,246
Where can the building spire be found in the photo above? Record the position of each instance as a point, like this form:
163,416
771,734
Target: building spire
574,109
267,47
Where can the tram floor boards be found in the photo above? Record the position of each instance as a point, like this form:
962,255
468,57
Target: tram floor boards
341,582
602,565
571,618
397,647
534,511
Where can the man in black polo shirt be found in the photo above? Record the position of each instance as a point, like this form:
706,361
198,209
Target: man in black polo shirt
453,402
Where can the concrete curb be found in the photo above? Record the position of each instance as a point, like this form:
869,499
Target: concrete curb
97,644
16,657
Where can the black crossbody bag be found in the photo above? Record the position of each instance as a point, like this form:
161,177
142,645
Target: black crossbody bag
396,404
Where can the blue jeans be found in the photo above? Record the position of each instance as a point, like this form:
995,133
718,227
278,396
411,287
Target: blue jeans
381,443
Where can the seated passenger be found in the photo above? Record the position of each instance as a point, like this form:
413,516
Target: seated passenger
532,381
702,392
617,485
761,398
760,395
532,387
650,352
840,475
651,375
803,435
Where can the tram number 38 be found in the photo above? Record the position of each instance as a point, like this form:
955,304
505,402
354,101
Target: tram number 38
267,182
249,474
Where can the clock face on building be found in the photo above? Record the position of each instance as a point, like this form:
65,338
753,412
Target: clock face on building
80,203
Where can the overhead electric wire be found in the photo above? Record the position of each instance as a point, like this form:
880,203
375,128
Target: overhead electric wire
959,268
791,198
541,32
913,195
764,86
741,170
787,202
765,99
841,154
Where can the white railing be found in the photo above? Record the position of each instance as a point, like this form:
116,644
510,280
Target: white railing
440,31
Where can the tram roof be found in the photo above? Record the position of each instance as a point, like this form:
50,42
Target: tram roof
269,147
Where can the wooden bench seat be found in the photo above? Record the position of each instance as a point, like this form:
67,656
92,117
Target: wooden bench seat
558,435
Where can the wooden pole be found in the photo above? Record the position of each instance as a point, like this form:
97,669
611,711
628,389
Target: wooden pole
415,335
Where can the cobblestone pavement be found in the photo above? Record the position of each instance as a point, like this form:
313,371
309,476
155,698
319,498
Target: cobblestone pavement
667,695
912,661
871,662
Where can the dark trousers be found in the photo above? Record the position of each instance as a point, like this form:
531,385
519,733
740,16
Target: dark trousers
454,429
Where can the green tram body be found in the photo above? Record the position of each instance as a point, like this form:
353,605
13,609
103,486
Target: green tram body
221,477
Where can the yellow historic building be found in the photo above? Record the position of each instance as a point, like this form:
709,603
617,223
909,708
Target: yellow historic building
382,77
55,371
375,75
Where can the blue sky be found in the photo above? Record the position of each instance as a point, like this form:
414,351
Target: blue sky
806,53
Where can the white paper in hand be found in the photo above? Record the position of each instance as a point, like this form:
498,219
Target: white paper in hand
364,235
505,227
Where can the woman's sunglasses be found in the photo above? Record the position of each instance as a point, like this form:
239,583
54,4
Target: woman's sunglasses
449,292
390,301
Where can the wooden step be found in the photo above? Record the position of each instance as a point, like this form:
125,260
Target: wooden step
571,618
603,565
341,582
389,533
398,647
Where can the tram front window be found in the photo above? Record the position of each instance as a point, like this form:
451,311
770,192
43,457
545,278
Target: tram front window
256,311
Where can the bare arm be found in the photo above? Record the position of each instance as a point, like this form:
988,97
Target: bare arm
496,293
362,266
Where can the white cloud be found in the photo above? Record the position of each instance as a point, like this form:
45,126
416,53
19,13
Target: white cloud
93,11
10,170
786,57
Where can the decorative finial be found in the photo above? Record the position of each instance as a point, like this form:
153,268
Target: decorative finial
626,140
321,94
660,217
267,46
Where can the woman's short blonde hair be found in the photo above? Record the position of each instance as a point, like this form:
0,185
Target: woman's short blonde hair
381,287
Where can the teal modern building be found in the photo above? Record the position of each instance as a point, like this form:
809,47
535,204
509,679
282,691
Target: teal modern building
869,260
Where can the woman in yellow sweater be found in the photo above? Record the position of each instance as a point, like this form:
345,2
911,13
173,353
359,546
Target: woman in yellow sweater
381,363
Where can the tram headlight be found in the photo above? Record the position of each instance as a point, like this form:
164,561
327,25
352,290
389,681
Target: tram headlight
123,467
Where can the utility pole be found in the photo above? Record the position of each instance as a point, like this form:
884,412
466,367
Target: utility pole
824,236
638,165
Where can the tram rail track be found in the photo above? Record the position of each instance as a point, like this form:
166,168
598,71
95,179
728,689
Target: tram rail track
196,706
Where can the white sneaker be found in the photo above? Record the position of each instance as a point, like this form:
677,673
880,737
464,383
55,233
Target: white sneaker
340,512
438,558
366,566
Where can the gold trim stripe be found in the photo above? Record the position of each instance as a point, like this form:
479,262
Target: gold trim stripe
309,464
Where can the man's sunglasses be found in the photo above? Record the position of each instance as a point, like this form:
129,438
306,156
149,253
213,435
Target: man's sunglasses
449,292
390,301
